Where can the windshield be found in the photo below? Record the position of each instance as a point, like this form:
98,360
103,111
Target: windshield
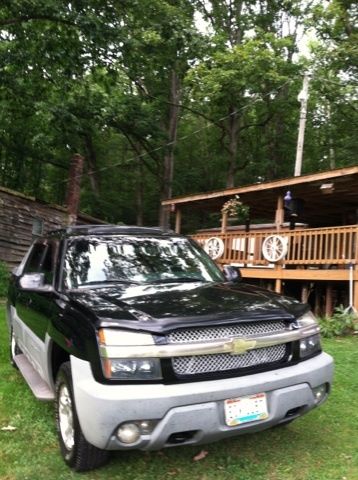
118,259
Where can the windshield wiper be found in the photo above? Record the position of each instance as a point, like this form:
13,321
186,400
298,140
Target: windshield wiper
104,282
179,280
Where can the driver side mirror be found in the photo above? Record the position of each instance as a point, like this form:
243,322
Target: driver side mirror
232,274
35,282
15,271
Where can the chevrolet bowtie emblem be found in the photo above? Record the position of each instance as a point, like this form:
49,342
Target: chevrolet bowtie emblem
240,346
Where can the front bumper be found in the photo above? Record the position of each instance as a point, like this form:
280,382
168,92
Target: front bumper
192,407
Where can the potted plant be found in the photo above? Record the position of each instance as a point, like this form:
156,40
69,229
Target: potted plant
237,211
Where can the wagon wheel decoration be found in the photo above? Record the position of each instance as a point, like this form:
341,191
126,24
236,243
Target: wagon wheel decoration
274,248
214,247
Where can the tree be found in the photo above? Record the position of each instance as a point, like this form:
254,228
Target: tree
160,44
46,47
331,138
161,104
246,79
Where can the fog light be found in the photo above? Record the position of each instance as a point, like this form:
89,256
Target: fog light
319,393
128,433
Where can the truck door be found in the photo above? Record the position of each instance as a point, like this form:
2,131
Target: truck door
35,308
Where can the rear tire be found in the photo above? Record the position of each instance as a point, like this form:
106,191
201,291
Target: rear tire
79,454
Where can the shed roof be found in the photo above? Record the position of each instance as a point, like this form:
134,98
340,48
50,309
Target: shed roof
81,216
320,209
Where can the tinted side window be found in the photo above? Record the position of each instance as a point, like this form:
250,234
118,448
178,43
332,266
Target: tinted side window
47,265
42,260
35,259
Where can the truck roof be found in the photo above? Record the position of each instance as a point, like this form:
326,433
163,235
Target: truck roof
81,230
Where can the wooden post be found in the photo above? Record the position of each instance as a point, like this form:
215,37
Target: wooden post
304,293
355,289
177,220
329,300
224,222
279,217
355,269
355,295
278,281
317,301
280,212
278,285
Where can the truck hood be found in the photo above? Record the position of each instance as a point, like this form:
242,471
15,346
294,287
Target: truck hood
159,308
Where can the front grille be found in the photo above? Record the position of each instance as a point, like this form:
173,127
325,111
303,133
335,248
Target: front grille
215,333
224,361
201,364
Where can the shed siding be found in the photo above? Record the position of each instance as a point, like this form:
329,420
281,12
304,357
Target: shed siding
17,215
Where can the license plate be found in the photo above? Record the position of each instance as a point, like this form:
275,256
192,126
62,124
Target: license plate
246,409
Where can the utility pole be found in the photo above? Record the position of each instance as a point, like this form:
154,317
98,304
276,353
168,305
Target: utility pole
303,98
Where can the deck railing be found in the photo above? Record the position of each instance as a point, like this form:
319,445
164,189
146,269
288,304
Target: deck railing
315,246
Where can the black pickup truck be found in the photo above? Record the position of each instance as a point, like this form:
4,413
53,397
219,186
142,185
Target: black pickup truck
144,343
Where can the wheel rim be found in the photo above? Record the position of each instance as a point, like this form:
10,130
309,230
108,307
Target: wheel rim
13,345
65,414
214,247
274,248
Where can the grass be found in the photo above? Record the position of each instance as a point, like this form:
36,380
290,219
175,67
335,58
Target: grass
323,445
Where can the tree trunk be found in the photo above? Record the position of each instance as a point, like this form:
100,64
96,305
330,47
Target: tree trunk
232,132
331,154
74,188
168,167
140,193
274,133
91,158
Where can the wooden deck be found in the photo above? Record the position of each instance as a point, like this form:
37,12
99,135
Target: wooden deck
312,254
321,260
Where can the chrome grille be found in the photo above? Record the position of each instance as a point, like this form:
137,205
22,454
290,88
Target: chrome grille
215,333
200,364
225,361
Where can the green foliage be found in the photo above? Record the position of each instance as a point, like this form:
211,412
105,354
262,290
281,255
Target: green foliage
333,97
134,84
4,279
341,323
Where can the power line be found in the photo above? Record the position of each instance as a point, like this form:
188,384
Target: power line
185,137
338,84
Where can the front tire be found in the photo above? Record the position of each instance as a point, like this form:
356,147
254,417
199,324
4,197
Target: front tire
79,454
14,348
285,424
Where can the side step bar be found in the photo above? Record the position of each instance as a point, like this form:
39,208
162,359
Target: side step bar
38,386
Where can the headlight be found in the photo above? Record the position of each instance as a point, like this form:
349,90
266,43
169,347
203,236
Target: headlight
127,368
307,320
310,344
132,368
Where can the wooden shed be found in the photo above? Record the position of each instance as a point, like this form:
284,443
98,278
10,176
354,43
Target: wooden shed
23,218
318,233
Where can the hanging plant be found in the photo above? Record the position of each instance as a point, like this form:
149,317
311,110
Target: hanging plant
234,208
